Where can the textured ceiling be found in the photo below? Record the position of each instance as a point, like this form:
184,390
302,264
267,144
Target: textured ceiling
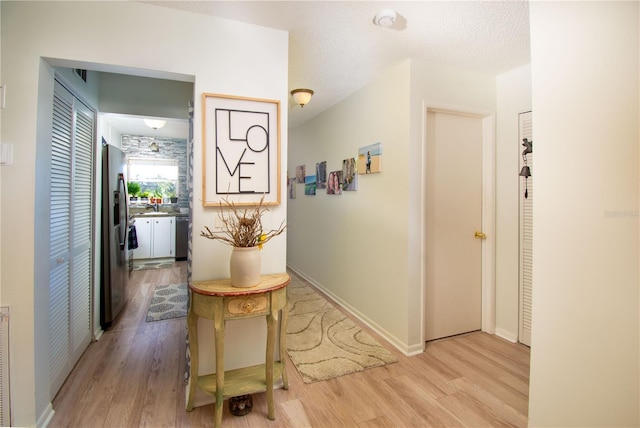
335,49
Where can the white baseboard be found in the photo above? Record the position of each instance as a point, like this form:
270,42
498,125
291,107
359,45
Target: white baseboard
97,334
506,335
408,350
46,416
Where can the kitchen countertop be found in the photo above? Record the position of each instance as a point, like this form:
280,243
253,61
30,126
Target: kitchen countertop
157,214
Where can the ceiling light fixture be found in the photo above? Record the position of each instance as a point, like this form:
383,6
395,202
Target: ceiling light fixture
302,96
155,123
385,18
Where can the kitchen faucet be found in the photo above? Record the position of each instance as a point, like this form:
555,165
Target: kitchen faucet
154,206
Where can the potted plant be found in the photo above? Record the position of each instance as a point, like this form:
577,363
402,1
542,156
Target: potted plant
156,198
173,198
243,230
133,189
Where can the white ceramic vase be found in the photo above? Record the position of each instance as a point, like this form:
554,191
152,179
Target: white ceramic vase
245,266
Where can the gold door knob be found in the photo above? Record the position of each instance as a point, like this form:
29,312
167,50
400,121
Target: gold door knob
480,235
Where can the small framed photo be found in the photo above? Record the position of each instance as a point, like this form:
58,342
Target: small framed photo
370,159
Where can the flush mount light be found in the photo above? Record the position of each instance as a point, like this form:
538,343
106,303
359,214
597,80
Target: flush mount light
154,123
302,96
385,18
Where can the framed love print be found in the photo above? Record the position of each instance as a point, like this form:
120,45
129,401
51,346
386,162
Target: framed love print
240,150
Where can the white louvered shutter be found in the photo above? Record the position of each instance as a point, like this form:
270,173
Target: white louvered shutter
71,222
59,276
526,233
82,231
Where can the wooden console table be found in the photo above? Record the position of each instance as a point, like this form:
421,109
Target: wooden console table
217,300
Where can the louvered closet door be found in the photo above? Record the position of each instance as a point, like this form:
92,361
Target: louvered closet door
82,232
70,279
59,276
526,234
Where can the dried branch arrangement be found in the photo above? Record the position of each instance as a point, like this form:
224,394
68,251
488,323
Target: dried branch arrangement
242,227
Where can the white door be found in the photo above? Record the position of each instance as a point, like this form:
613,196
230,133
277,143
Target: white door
71,232
453,289
164,233
60,239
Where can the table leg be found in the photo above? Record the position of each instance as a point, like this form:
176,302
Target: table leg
283,343
271,333
218,327
192,329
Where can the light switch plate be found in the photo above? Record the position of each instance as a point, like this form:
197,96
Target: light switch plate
6,154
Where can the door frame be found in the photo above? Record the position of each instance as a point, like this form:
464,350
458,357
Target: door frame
488,245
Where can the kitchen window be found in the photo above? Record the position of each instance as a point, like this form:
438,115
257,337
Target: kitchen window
158,177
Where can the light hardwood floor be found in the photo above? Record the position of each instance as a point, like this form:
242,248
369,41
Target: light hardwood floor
133,377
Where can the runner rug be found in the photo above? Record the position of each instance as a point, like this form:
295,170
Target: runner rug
146,264
168,301
323,342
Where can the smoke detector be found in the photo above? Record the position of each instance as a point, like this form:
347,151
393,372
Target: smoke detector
385,18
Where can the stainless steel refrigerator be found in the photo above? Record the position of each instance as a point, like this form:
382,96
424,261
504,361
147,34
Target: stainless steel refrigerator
115,227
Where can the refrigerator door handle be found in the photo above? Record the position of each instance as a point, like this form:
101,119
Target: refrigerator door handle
120,202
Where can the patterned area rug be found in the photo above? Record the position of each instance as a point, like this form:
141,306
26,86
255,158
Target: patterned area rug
168,301
324,343
145,264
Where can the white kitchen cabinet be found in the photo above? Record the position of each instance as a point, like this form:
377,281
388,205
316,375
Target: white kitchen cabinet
143,233
164,236
156,237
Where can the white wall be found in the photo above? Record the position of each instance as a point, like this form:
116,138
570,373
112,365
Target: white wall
135,95
585,330
365,247
513,97
81,35
109,133
353,245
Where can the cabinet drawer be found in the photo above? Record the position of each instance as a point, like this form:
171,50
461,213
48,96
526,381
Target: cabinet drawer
246,305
